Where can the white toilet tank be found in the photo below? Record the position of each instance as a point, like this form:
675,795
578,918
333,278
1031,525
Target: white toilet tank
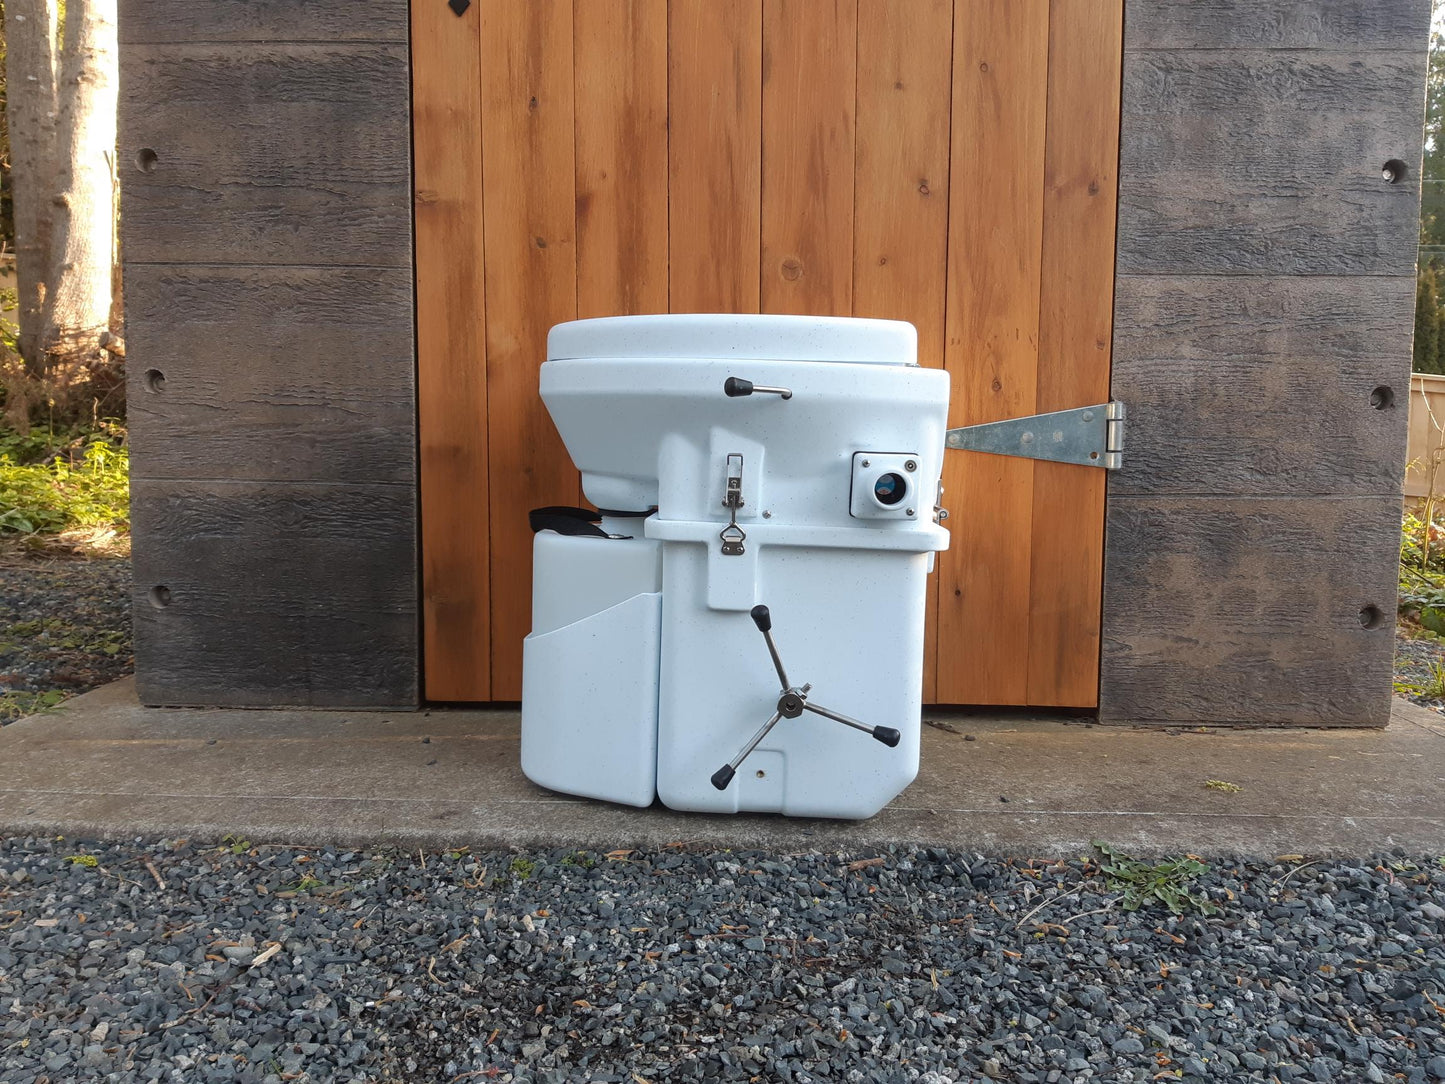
793,463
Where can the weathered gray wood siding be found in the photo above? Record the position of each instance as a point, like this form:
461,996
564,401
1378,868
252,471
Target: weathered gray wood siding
266,221
1265,292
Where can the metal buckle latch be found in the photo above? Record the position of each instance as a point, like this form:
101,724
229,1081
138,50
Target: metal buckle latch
732,535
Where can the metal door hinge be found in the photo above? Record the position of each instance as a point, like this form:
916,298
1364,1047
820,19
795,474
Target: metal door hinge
459,6
1091,436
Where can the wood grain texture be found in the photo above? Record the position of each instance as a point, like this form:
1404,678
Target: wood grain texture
810,75
318,224
451,353
311,171
270,373
620,88
714,154
277,593
904,92
529,176
1262,387
259,365
1259,510
156,21
1000,57
1236,610
1076,313
1305,198
900,184
1346,25
285,659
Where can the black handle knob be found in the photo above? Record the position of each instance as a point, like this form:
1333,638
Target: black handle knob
735,386
887,735
762,618
722,777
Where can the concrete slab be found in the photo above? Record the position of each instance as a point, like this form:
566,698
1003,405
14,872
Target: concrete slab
104,766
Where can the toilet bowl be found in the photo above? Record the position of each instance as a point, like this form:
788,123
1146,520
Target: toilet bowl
793,464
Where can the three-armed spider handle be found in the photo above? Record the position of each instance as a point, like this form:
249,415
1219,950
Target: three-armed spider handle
792,702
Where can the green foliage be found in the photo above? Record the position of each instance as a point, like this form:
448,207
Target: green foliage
1422,586
1169,882
523,868
1429,320
89,861
1429,312
64,493
16,704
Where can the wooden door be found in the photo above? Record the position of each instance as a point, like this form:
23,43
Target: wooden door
948,162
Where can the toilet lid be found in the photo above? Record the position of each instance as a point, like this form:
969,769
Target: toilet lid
745,337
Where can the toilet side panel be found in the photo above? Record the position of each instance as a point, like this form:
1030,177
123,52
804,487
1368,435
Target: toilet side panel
850,622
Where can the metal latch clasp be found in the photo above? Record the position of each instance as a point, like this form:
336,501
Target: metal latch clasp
1091,436
732,535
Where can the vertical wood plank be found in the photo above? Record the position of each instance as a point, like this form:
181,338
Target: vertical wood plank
451,352
621,125
900,233
1075,337
1000,64
810,75
528,185
714,156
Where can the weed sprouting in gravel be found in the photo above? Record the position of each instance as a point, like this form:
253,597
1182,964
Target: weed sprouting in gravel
522,868
1170,882
17,703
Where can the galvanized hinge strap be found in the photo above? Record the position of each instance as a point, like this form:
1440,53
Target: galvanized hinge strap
1091,436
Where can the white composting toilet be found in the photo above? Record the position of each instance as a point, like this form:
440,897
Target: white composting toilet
742,628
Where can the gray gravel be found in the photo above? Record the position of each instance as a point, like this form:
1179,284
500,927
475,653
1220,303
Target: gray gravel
64,626
1414,659
677,966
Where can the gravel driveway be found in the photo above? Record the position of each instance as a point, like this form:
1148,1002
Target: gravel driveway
184,962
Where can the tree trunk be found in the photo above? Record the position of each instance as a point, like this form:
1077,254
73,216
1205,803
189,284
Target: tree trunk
78,306
30,29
